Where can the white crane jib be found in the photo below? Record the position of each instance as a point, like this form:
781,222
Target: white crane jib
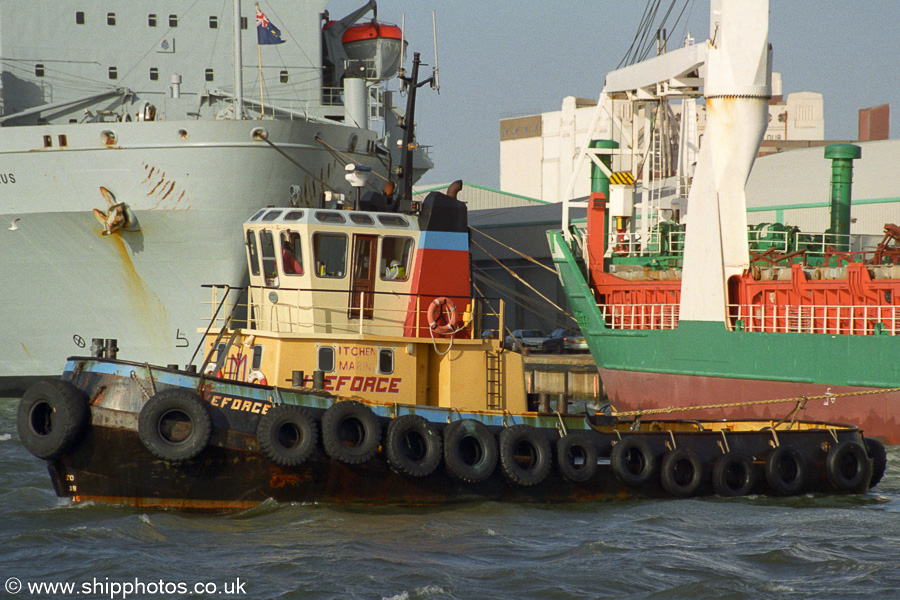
737,90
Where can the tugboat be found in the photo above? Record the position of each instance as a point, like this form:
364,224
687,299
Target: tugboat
348,371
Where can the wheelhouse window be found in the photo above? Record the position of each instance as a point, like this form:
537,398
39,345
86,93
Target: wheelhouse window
173,20
110,18
154,74
396,255
79,17
113,73
39,70
253,252
330,251
213,23
291,256
209,75
151,20
269,265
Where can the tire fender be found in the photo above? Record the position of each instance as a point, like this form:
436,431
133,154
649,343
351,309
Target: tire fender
733,475
351,432
470,450
786,470
632,461
681,472
51,417
576,456
525,455
287,435
175,425
413,446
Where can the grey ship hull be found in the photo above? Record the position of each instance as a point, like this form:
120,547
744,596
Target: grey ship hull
190,185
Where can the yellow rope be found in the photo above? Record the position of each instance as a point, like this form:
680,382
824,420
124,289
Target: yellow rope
671,409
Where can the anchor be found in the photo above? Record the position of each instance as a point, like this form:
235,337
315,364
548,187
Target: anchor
118,215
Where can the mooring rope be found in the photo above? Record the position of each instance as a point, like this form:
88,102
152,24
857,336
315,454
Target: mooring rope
798,400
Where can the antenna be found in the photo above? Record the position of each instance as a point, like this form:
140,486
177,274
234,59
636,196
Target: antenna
436,83
401,72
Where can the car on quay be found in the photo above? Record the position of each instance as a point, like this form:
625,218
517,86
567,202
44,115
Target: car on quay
529,339
564,340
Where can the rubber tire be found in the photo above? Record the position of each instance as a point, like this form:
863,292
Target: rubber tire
774,475
280,427
623,456
51,417
835,464
878,454
723,469
413,446
165,403
351,432
515,439
574,445
672,464
469,464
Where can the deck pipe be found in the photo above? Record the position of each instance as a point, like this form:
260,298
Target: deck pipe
842,156
597,207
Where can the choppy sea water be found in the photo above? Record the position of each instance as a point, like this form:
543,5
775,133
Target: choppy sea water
804,547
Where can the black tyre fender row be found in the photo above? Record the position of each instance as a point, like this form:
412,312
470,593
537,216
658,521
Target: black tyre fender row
175,425
847,466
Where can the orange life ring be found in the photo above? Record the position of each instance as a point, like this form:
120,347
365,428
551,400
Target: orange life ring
442,309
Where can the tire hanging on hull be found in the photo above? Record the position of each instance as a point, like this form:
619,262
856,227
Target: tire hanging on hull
470,451
576,456
51,417
287,435
351,432
525,455
632,461
413,446
175,425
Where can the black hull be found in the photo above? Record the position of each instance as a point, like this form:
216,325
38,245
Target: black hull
112,466
107,459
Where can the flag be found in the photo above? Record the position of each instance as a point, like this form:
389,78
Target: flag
266,33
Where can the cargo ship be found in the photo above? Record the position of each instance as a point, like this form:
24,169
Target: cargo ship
136,138
702,310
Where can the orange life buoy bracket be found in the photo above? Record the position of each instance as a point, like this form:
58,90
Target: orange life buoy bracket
442,310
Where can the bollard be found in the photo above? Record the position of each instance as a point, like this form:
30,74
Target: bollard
297,379
543,403
562,404
97,347
112,349
319,380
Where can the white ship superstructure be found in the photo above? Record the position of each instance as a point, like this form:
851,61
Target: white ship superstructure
124,174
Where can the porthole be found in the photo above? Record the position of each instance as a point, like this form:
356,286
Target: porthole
386,361
326,359
108,137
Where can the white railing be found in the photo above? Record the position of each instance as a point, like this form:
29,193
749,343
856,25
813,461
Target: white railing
834,320
831,320
333,312
630,243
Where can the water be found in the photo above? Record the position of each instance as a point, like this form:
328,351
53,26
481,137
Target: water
805,547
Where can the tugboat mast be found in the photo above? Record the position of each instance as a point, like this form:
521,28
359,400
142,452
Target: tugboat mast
404,204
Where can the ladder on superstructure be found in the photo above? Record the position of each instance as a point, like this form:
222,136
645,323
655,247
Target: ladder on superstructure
494,380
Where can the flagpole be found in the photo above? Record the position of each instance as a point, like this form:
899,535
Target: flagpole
262,106
238,60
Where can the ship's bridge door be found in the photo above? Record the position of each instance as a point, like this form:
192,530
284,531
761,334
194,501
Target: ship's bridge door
362,298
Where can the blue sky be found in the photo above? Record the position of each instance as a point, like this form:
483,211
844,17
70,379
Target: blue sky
500,59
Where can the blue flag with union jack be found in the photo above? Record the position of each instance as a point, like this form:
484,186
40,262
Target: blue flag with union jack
266,33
